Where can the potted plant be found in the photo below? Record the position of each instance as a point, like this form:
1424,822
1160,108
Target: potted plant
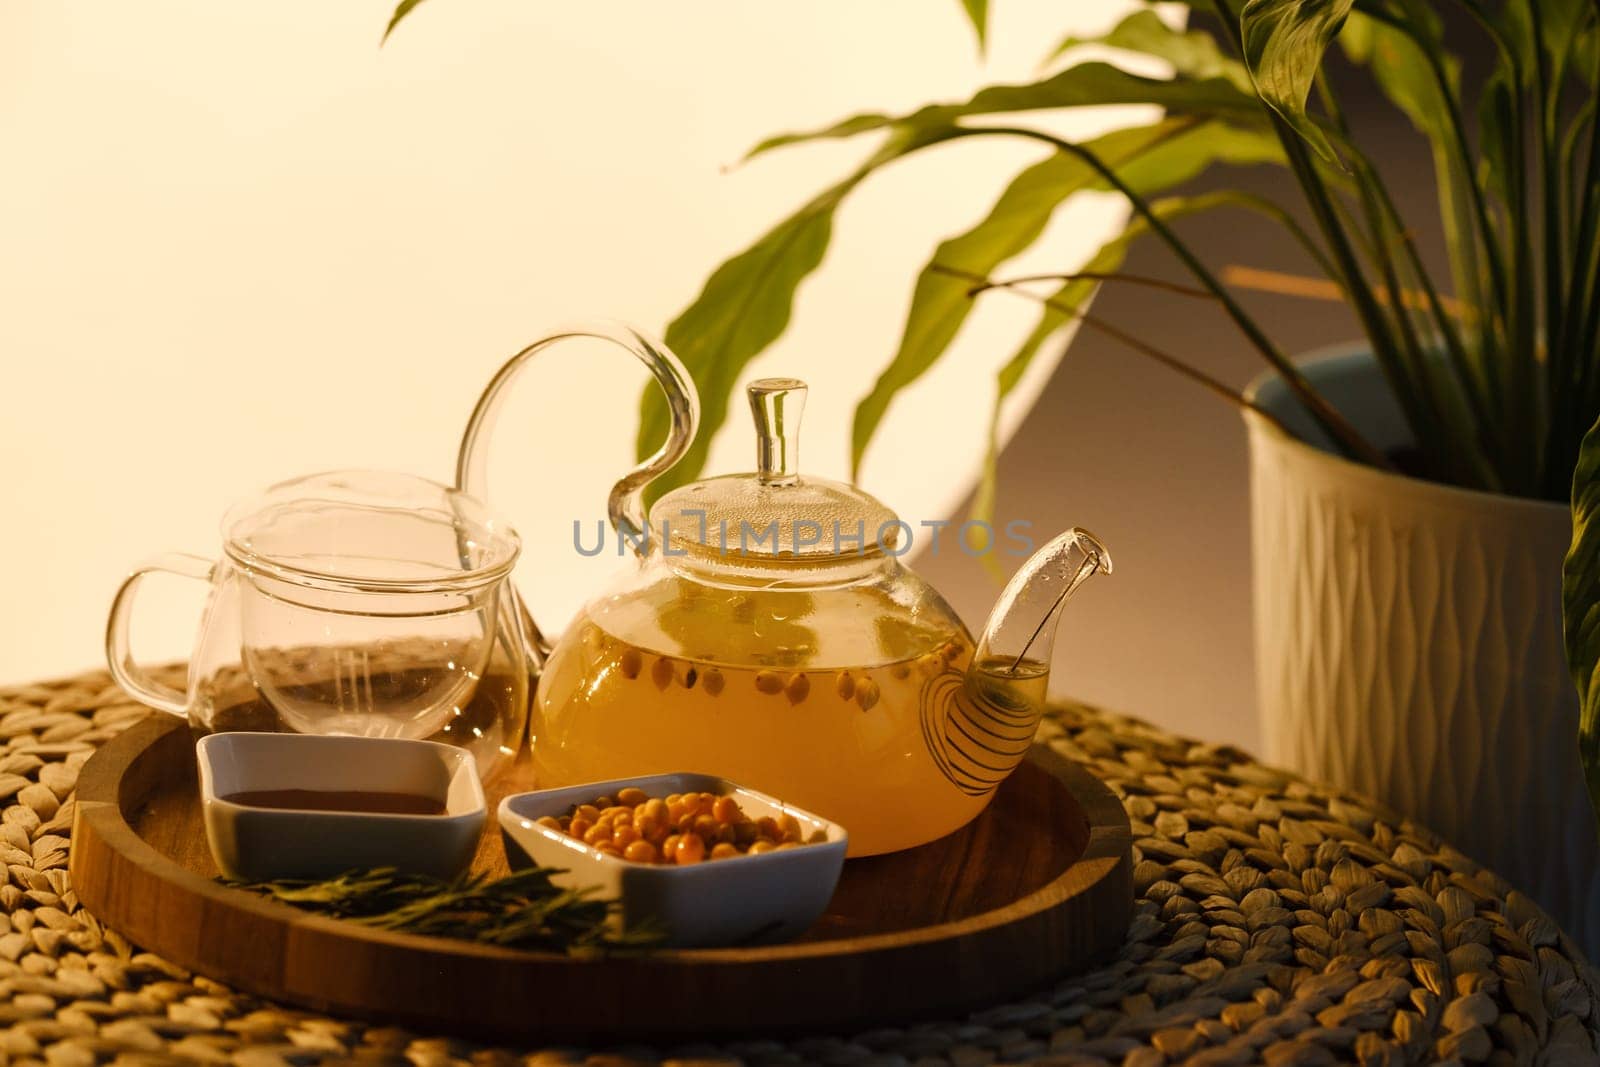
1413,496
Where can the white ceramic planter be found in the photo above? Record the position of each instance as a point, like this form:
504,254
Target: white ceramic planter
1408,644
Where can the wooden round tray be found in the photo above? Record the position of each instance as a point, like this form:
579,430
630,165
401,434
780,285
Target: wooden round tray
1038,885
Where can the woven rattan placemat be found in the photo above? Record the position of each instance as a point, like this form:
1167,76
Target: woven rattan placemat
1275,923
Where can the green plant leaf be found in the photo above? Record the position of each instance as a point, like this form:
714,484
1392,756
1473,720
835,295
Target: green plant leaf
1284,42
1560,25
1096,84
1497,144
978,14
1514,21
1060,308
404,8
1580,597
1192,53
1091,84
746,303
1150,159
1396,61
1584,47
745,306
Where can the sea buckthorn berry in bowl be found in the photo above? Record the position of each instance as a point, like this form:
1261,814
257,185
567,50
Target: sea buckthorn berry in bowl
705,824
698,859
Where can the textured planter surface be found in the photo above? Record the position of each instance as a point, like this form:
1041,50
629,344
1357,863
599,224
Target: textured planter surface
1408,645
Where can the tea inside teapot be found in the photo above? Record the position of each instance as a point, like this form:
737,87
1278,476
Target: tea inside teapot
814,697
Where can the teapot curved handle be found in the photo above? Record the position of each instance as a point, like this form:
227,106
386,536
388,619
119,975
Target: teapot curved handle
625,505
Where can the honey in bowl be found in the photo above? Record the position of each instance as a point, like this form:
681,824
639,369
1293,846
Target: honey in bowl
346,800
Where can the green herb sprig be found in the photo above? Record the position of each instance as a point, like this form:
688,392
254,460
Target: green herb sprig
524,910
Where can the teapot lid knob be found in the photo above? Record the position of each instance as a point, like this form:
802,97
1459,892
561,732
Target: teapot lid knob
776,515
777,404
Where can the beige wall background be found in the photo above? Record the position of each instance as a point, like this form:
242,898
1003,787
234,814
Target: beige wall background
241,242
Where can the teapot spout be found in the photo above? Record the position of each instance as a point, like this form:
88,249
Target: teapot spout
1021,631
980,728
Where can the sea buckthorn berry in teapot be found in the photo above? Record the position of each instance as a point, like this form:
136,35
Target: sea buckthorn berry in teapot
767,632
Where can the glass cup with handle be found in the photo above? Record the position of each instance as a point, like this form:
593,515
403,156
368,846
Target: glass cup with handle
366,603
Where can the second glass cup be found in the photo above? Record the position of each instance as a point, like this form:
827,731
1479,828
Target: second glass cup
351,602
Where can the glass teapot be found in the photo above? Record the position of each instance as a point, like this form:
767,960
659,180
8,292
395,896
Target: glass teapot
767,632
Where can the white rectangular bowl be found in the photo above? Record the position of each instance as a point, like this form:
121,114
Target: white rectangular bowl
260,844
773,896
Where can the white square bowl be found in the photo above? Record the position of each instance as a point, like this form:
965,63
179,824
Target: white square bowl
747,900
260,844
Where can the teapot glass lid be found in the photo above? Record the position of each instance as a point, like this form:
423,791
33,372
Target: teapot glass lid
776,513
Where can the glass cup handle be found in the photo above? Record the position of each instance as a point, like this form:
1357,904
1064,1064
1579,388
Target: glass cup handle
119,656
626,503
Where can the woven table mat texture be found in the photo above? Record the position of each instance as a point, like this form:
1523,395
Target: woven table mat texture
1275,923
